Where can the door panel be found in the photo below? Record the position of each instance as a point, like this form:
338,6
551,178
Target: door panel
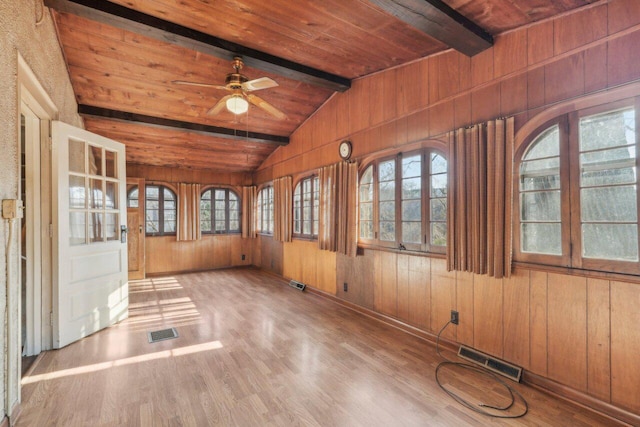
135,224
90,290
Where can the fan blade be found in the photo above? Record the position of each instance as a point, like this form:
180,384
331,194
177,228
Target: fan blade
219,106
259,102
259,84
182,82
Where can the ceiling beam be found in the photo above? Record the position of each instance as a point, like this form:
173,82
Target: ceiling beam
127,19
440,21
158,122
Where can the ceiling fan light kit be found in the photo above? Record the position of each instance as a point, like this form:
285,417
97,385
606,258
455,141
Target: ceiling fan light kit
237,105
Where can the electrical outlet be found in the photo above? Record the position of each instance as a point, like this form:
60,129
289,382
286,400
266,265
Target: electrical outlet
455,318
12,208
243,257
345,286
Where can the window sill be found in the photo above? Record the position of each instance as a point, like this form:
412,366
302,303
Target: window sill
305,239
595,274
401,251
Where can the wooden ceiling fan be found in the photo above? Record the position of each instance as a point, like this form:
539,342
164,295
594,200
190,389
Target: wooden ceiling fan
239,85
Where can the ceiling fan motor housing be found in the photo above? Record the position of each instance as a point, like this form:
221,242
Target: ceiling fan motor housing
235,80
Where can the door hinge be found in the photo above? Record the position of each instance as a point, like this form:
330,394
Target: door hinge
51,231
51,318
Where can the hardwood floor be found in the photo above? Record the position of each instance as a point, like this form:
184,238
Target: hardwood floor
252,351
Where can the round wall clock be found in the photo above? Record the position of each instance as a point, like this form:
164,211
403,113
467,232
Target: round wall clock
345,150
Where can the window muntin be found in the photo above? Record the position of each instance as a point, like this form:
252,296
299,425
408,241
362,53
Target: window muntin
160,210
93,194
219,211
403,202
583,199
438,200
305,208
366,204
540,208
608,186
265,210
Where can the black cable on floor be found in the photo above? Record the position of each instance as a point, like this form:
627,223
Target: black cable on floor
479,407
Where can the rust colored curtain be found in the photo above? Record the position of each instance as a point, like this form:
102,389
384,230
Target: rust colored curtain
282,209
249,197
338,208
480,199
188,212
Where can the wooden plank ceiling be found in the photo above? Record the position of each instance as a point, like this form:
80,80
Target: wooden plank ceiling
124,70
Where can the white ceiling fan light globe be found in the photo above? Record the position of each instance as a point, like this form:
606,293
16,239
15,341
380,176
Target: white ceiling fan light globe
237,105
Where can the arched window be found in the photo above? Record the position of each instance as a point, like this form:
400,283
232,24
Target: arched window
132,197
305,208
219,211
265,210
160,210
578,192
403,202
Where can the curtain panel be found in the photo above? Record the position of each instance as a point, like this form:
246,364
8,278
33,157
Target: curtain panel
188,212
480,199
338,208
249,197
282,209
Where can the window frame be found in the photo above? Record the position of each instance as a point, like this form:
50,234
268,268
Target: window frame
314,181
570,188
425,245
261,209
227,210
161,209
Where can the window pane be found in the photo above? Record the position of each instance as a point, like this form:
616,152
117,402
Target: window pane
234,225
132,198
411,232
168,195
439,185
607,177
206,195
77,233
387,191
540,206
387,211
544,238
609,204
439,233
96,227
111,196
76,156
95,193
95,160
366,185
220,194
366,229
152,192
387,170
438,209
388,231
411,210
110,163
412,188
438,164
111,226
77,198
540,174
412,166
612,129
610,241
545,145
366,211
169,225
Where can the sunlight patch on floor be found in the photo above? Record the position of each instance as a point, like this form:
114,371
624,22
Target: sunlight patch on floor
181,351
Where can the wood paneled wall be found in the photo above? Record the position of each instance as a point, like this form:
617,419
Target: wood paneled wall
165,255
579,331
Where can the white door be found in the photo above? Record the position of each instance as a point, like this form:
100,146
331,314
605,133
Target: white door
90,290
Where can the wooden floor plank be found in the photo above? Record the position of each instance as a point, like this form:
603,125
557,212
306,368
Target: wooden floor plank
253,351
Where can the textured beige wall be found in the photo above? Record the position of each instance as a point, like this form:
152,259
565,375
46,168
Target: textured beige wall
38,45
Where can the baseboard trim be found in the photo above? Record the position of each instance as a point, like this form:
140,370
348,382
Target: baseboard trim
538,382
579,398
16,410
